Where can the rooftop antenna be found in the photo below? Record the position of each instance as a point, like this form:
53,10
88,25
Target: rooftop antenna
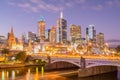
61,14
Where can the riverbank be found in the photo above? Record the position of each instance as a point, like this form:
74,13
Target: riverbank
16,65
2,66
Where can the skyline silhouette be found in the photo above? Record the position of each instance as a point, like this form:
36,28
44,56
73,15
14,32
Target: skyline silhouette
23,16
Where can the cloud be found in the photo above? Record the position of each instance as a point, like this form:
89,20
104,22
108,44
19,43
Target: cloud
113,3
80,1
46,5
98,7
11,3
57,5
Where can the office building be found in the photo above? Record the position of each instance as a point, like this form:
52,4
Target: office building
75,33
41,29
91,33
61,30
53,35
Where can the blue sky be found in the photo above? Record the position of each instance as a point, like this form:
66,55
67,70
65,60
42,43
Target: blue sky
23,15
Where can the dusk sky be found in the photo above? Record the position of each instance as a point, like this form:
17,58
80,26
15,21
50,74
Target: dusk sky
23,15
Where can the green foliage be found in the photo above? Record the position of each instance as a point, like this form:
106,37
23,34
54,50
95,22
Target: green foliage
21,56
118,48
79,48
43,62
5,51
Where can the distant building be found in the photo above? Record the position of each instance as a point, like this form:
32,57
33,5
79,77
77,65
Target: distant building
3,40
12,43
75,33
32,36
61,29
100,39
53,35
11,39
24,38
47,34
91,33
41,28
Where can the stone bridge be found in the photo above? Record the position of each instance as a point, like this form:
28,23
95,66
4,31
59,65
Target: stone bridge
91,66
77,62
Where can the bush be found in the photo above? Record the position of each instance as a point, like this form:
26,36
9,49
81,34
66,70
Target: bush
21,56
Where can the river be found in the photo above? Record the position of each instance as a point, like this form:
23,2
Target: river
38,73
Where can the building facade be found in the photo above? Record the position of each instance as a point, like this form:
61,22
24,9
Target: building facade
2,39
32,36
61,29
12,42
11,39
41,29
100,39
53,35
90,33
75,33
47,34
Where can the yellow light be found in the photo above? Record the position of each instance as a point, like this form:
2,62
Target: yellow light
3,75
42,71
36,69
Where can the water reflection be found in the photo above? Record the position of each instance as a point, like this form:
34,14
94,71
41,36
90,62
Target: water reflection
42,71
36,77
13,74
108,76
2,74
37,73
28,75
7,78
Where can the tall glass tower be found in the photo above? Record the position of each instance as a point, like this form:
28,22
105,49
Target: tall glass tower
41,29
90,32
61,30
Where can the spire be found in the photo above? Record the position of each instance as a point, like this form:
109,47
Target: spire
61,14
12,30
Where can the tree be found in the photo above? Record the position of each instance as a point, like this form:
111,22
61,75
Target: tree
5,51
118,48
79,48
21,56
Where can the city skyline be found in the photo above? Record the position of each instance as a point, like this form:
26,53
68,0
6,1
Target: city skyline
23,16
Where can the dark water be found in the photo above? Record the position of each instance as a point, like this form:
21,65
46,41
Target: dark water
38,73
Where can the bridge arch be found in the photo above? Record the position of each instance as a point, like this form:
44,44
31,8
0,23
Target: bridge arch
67,62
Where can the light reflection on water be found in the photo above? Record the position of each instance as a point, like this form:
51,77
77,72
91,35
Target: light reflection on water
37,73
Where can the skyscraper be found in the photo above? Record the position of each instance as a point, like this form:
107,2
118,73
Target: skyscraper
75,33
61,29
91,33
41,28
24,38
100,39
32,36
53,35
47,34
